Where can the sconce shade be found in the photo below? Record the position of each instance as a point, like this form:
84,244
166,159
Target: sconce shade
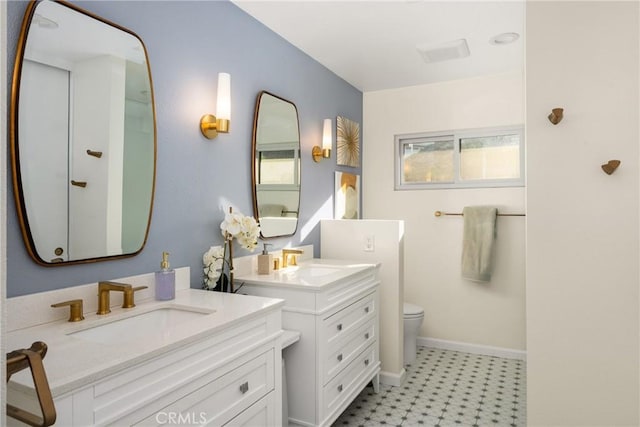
210,125
326,135
224,96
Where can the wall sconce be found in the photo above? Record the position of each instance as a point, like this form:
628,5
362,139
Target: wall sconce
210,125
327,137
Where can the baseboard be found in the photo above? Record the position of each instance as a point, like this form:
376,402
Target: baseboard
388,378
486,350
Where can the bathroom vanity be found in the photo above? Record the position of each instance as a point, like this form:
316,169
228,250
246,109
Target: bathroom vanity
334,305
205,358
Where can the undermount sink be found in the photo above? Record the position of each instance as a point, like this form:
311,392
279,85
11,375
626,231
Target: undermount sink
153,323
317,271
310,273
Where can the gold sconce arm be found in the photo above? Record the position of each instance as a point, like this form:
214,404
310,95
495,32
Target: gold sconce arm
210,126
320,153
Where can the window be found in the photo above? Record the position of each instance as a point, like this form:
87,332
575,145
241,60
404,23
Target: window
278,167
460,159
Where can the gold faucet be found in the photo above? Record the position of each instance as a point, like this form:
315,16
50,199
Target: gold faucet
104,303
285,256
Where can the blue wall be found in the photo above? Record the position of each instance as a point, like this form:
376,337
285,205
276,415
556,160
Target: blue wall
198,179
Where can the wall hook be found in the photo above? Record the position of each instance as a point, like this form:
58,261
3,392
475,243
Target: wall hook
556,115
611,166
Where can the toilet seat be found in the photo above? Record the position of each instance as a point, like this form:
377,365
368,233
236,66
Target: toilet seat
411,311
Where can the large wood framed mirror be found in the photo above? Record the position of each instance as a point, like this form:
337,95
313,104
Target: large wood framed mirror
276,166
82,135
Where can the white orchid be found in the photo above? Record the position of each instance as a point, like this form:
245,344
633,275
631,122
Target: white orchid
213,261
244,228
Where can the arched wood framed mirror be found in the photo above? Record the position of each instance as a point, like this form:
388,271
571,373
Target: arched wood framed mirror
276,166
82,135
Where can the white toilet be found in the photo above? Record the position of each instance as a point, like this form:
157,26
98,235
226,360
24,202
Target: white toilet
413,316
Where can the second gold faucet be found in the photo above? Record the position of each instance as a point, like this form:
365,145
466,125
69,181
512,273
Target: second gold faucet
104,300
285,256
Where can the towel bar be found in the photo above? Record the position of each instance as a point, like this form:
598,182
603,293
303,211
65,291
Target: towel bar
440,213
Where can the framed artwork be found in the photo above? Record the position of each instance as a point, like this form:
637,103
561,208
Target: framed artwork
348,142
347,196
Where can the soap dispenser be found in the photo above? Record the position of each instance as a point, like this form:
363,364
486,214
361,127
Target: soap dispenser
265,261
165,280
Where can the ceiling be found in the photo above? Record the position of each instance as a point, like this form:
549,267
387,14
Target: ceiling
372,44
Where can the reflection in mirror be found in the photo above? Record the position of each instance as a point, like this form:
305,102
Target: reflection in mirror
276,166
83,136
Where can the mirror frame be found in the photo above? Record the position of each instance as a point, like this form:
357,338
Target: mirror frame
15,152
254,190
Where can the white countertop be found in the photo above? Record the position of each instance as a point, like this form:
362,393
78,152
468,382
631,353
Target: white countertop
314,274
73,362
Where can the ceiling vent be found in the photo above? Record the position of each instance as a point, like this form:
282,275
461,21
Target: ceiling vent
444,51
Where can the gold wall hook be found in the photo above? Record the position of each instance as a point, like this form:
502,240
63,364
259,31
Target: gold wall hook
556,115
611,166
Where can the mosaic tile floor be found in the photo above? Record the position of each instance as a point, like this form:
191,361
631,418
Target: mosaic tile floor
446,388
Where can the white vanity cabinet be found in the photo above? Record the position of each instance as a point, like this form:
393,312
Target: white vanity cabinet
338,351
230,375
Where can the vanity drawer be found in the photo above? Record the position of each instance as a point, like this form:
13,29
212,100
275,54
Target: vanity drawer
345,320
343,351
344,384
261,413
218,401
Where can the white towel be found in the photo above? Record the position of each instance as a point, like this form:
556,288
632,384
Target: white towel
477,242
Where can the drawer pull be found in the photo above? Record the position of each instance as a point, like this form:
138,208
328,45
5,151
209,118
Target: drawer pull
339,326
366,336
366,362
340,358
244,387
366,309
340,388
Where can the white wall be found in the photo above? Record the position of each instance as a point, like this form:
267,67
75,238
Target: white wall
455,309
582,225
388,250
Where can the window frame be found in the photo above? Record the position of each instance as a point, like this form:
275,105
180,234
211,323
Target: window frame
402,139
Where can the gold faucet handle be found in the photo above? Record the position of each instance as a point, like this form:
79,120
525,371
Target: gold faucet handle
128,301
75,309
